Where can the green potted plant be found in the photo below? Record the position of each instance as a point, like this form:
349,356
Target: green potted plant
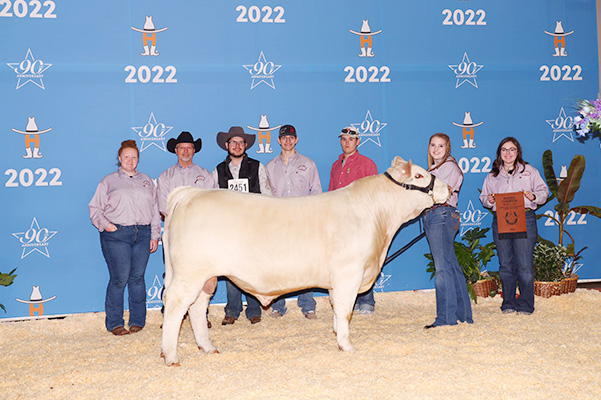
564,192
473,257
549,260
7,280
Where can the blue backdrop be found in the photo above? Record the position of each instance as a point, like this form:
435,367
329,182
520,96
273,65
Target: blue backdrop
399,71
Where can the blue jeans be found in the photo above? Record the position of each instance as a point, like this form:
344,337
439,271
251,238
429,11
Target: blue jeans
515,266
233,308
366,299
452,299
305,301
126,252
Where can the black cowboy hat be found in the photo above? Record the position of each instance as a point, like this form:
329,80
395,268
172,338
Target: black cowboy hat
184,137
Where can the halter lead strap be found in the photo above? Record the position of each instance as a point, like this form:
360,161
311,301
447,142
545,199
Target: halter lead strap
427,190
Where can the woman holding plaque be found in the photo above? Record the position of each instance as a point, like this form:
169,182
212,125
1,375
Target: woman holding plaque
441,223
125,211
510,174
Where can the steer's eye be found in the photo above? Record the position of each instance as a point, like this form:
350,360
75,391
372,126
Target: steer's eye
418,176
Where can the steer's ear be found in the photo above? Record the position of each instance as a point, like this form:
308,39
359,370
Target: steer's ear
397,162
400,169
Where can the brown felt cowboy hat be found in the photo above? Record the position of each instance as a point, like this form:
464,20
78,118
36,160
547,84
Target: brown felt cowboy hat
223,137
184,137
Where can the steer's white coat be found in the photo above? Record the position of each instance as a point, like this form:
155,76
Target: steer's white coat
269,246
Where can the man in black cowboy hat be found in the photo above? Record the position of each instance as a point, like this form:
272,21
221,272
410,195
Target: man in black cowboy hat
184,172
242,173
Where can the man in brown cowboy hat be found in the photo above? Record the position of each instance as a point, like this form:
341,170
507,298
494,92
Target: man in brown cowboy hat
242,173
184,172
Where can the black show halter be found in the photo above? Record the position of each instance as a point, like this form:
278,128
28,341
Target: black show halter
427,190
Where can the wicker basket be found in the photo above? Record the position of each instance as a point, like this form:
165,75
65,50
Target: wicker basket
571,283
483,287
547,289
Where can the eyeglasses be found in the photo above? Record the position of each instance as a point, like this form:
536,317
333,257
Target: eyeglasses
234,143
349,131
508,150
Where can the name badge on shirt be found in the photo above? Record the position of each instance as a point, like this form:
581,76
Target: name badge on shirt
238,185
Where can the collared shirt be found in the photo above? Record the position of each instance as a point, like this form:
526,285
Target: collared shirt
177,176
356,167
124,200
235,170
523,178
298,178
450,174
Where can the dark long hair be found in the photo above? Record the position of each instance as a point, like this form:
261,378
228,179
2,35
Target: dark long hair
498,163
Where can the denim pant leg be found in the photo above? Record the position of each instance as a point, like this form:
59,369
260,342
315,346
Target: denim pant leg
507,267
366,298
464,303
524,254
233,308
253,307
279,305
306,302
436,226
116,249
136,286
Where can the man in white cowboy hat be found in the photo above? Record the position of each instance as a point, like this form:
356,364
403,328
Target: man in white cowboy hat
184,172
290,175
349,167
242,173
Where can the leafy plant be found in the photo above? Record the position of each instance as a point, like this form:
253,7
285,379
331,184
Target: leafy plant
472,257
564,192
7,280
549,260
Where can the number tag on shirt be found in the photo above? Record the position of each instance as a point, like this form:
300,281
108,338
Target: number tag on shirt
238,185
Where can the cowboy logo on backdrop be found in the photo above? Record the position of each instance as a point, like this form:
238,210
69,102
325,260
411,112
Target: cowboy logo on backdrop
559,39
468,131
365,40
149,34
32,138
36,301
264,134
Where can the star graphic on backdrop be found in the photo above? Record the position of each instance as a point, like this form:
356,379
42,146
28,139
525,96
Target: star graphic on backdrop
463,72
262,72
381,281
372,133
155,137
34,239
471,218
559,130
27,76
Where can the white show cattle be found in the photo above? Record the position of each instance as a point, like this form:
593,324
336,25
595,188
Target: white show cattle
269,246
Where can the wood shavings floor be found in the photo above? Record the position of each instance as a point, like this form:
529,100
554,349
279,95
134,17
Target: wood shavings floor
553,353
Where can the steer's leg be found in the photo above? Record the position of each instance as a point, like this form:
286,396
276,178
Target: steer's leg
177,298
198,317
343,299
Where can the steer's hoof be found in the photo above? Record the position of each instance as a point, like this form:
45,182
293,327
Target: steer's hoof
211,350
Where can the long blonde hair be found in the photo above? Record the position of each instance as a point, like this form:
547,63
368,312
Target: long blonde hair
447,154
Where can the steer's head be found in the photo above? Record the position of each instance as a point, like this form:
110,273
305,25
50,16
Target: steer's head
413,177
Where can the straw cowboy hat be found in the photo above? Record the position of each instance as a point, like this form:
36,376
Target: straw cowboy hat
263,125
149,27
36,297
31,128
559,30
365,29
467,122
223,137
184,137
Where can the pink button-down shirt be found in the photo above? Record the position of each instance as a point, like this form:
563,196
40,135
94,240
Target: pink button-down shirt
176,176
124,200
298,178
450,174
356,167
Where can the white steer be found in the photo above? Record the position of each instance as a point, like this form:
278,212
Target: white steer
270,246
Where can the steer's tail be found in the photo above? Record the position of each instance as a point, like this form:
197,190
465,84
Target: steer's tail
175,197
